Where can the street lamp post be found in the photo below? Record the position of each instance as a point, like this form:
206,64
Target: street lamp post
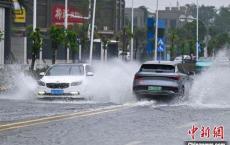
197,31
190,19
131,51
156,32
35,15
35,26
66,27
92,33
80,17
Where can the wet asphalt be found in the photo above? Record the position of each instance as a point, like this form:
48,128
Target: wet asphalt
139,123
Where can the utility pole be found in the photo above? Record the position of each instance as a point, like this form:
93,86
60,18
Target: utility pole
92,32
35,26
66,27
156,32
35,15
197,31
131,50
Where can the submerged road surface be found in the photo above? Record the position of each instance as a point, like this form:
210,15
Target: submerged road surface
142,123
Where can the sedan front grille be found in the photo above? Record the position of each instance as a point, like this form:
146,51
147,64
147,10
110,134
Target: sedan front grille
57,85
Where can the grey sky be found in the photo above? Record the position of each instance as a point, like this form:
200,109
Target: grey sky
151,4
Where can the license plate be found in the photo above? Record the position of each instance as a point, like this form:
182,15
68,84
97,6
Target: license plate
57,92
154,88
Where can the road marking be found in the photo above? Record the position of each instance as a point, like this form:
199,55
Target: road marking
190,124
67,116
134,143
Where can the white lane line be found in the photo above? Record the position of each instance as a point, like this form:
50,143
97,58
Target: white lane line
190,124
134,143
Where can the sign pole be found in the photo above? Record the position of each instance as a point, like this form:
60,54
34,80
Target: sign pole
131,51
197,32
35,15
66,27
156,32
92,33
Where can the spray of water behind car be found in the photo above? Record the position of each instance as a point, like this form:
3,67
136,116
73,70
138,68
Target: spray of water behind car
211,87
113,81
17,83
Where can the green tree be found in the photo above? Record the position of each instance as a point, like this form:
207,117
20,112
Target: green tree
139,39
57,36
1,35
173,38
187,37
218,41
72,43
36,38
126,37
222,20
82,35
219,30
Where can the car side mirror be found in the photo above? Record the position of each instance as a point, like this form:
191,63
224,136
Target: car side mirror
42,74
90,74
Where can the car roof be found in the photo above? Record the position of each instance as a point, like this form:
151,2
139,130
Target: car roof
162,62
70,64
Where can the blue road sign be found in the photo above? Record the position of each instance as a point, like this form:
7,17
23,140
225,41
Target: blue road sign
199,47
161,45
161,42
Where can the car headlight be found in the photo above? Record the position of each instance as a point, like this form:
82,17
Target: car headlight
41,83
75,83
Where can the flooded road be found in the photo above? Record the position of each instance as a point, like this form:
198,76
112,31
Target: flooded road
113,116
141,123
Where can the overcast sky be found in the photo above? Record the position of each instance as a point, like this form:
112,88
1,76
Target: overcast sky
151,4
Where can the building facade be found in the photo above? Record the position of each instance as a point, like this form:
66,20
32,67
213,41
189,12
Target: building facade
171,16
109,18
5,26
168,19
110,15
139,17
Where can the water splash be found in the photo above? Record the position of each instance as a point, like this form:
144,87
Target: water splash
21,86
211,88
112,81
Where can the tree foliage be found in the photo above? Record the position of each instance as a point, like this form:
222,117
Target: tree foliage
1,35
183,40
126,37
72,44
82,35
57,36
220,30
36,38
140,40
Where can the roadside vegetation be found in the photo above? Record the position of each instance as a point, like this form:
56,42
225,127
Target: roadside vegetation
214,32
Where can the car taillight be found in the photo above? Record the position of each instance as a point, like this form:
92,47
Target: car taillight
137,77
175,77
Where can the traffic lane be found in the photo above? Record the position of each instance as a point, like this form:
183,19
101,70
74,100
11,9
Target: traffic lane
136,125
13,110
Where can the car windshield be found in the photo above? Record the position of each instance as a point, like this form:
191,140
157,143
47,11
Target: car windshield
65,70
157,68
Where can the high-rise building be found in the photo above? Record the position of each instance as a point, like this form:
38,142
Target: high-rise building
110,15
139,17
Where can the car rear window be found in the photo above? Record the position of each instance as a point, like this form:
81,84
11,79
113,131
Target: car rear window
157,68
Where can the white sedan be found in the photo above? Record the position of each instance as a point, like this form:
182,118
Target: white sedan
64,79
